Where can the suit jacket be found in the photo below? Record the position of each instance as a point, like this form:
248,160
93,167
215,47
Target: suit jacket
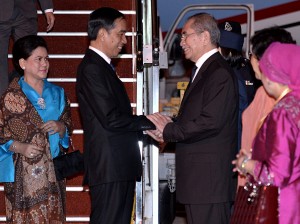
206,135
111,151
26,7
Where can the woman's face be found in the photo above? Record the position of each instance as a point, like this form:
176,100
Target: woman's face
255,65
274,89
37,65
266,83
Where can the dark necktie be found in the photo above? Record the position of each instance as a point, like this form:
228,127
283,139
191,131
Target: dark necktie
113,67
193,73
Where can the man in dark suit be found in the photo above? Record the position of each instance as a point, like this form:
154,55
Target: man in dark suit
111,152
205,130
18,18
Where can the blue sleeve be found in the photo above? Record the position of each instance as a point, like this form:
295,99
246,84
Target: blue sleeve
7,167
4,150
64,141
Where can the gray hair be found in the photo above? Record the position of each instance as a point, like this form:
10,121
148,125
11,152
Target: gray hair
206,22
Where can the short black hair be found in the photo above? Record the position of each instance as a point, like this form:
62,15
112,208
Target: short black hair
263,38
24,47
102,18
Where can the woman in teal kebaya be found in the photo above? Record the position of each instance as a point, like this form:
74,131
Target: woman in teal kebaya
35,123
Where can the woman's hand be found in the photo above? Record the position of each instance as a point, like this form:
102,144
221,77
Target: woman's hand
243,163
53,127
28,150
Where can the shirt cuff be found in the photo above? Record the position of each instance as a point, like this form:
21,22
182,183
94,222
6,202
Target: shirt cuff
48,10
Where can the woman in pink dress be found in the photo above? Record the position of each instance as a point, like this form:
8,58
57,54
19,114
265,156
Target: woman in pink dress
262,103
276,147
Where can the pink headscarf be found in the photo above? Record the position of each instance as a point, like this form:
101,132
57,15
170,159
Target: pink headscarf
281,64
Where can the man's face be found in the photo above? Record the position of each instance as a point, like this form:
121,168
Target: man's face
115,39
192,42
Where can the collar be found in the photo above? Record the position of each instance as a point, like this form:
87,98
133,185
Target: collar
203,58
101,54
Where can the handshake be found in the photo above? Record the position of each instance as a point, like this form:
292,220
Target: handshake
160,121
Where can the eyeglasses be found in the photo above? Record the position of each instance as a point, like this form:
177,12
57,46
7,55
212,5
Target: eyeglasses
185,35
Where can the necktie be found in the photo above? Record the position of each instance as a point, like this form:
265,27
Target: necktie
113,67
193,73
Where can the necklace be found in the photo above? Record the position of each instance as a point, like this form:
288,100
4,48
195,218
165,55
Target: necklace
41,102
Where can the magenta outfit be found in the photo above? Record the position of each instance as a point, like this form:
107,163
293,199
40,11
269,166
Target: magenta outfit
278,143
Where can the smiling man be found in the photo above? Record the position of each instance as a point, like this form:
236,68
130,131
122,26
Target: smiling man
111,153
205,130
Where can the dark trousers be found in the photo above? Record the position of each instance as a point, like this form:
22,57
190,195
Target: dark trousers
208,213
112,203
17,26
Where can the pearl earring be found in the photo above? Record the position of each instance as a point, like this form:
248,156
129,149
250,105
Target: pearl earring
23,68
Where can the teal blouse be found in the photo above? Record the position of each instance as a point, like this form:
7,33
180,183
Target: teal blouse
51,109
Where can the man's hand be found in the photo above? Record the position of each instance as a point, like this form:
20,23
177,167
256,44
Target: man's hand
50,20
159,120
156,135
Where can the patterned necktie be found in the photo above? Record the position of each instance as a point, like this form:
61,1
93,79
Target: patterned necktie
193,73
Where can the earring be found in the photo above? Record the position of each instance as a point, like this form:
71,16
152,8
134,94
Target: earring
23,68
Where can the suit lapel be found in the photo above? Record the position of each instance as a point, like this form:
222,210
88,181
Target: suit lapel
99,60
114,81
198,78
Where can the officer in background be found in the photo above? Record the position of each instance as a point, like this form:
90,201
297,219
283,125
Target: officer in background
231,48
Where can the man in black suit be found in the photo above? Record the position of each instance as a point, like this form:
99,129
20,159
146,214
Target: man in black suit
205,130
18,18
111,152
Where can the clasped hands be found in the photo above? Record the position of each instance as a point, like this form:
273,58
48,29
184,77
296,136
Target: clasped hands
53,127
243,157
31,150
160,121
